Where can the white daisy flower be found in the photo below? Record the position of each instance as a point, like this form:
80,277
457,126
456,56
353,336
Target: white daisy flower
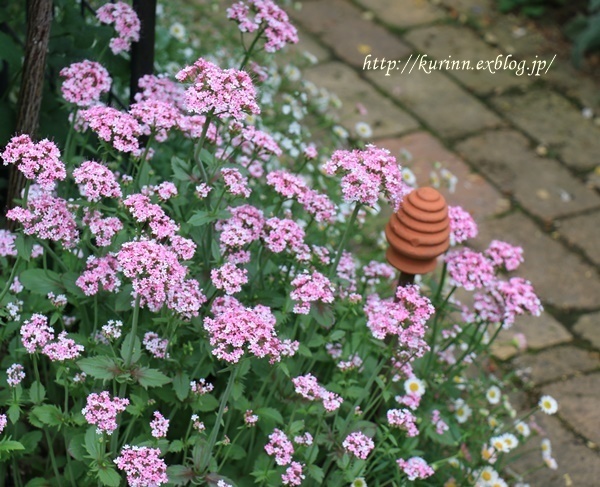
548,404
409,177
546,448
414,386
177,30
510,441
488,475
363,130
462,411
359,482
340,131
523,429
493,395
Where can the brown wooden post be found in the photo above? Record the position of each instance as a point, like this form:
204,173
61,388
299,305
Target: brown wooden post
39,21
418,233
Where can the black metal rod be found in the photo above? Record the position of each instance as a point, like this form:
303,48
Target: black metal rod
142,52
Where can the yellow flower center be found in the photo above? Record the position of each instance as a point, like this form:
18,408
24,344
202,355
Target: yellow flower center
414,387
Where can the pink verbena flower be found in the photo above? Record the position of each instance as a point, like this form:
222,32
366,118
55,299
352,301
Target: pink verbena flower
462,225
7,243
358,444
85,82
229,278
117,128
102,410
99,270
3,422
264,14
415,468
104,229
375,271
404,419
280,446
235,327
285,234
155,115
367,173
62,349
440,425
250,418
309,288
160,88
15,374
503,254
39,161
224,92
201,387
293,474
235,182
155,345
127,25
308,387
36,333
97,181
143,210
166,190
469,269
143,466
159,425
112,330
48,218
244,227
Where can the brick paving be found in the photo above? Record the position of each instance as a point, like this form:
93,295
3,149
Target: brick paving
528,164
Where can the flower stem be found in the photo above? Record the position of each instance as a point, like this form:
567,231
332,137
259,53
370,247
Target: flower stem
215,432
344,241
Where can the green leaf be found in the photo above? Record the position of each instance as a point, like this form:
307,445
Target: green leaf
137,348
30,440
176,446
41,281
37,393
181,386
181,169
123,301
92,443
68,281
201,217
208,402
179,474
10,445
109,476
235,452
269,413
151,377
14,412
337,335
48,414
76,447
101,367
24,244
316,473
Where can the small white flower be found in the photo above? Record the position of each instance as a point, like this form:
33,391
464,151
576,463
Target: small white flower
462,411
312,59
414,386
177,30
510,441
551,463
292,73
548,404
409,177
363,130
493,395
546,448
488,475
359,482
340,131
523,429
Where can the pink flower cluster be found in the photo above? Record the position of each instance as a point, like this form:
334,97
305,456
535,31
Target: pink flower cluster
309,288
469,269
127,25
415,468
49,218
156,345
143,210
244,227
7,243
280,446
15,374
374,271
117,128
159,425
36,333
285,234
404,419
156,115
235,326
62,349
201,387
143,466
358,444
405,317
85,82
277,28
366,173
158,278
39,161
293,186
293,474
97,181
160,88
462,225
235,182
99,270
229,278
224,92
308,387
104,229
503,254
440,425
3,422
102,410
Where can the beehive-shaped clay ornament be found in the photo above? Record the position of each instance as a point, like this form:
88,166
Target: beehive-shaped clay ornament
419,232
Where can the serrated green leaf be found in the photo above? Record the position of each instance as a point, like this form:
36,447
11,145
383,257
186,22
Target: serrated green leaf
24,244
269,413
76,447
316,473
337,335
109,476
92,443
181,386
179,474
137,348
48,414
41,281
10,445
207,403
37,393
14,412
176,446
201,217
101,367
151,377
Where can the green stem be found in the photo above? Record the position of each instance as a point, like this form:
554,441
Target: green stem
54,256
215,432
10,278
250,49
344,241
53,458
